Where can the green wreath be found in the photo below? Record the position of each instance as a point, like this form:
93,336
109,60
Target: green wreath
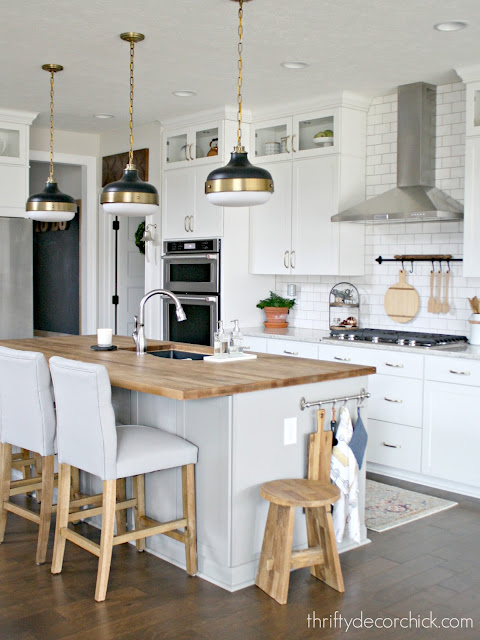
139,241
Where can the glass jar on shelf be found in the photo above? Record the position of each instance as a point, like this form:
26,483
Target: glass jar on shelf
344,306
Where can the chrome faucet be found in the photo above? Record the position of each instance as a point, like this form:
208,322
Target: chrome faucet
138,334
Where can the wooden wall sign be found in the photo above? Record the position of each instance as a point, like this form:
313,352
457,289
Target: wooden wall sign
114,166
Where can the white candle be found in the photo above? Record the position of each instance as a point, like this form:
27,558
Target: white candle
104,337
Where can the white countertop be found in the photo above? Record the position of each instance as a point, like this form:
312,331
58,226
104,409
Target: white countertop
466,351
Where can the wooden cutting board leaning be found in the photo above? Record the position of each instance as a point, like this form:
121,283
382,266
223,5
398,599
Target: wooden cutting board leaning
402,301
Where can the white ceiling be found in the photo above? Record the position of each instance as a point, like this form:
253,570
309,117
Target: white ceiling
366,46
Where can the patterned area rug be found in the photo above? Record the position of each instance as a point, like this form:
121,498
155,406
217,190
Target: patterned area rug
388,507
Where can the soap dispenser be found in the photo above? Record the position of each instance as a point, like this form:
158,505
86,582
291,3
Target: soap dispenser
220,341
236,340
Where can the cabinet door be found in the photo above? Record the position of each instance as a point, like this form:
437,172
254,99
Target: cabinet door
471,237
293,348
178,203
207,217
451,438
270,225
315,196
13,187
304,129
272,140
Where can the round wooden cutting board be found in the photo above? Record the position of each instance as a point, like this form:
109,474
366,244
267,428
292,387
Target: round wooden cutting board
402,301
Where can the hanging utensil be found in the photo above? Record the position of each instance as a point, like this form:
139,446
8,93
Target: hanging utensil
445,305
438,300
431,300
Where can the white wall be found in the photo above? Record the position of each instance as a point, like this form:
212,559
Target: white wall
68,177
84,144
311,310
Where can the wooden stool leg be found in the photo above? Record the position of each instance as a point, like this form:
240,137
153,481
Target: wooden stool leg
139,509
45,508
273,574
321,534
188,492
38,472
5,478
75,483
26,470
63,504
106,539
121,516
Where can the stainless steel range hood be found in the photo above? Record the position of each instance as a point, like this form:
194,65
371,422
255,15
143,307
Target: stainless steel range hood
415,199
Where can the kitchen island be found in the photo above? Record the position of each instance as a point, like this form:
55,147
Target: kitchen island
235,413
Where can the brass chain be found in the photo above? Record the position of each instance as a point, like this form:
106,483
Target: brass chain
50,179
240,73
132,54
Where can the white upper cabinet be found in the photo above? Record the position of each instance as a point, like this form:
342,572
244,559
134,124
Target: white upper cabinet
186,211
314,177
14,167
192,145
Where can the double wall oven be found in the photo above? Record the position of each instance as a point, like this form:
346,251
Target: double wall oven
191,270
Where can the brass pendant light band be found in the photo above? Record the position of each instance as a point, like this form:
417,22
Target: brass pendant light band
137,197
51,206
238,184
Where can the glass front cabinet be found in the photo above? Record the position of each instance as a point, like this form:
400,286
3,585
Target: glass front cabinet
192,146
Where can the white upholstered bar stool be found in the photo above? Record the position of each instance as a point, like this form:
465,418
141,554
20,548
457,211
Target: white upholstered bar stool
87,438
27,420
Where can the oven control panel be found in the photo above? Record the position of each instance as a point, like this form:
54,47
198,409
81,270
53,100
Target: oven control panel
182,246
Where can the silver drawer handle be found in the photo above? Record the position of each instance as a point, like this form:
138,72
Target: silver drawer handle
342,359
290,353
392,446
392,364
393,400
460,373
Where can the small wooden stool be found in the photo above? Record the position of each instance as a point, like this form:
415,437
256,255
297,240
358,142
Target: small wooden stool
315,495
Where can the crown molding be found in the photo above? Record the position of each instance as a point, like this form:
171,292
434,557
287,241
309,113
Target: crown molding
469,74
227,112
17,117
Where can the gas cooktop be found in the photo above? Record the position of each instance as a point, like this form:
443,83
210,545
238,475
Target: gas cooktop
402,338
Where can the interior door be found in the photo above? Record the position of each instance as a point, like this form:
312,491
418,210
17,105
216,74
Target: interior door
131,275
270,225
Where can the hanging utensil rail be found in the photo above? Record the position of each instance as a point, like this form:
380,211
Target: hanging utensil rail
318,403
421,258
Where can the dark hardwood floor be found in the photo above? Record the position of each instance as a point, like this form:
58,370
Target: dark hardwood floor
430,565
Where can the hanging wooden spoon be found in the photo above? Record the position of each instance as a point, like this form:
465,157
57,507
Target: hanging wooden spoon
445,305
438,301
431,300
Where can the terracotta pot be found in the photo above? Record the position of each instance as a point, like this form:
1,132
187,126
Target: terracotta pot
276,317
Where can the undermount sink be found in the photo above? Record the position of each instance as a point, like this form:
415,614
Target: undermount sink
173,354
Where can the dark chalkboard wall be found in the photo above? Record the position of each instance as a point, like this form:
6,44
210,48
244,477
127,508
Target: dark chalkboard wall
56,276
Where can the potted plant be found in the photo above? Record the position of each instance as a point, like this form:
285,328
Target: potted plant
276,309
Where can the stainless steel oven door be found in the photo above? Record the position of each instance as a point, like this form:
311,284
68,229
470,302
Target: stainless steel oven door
191,273
201,323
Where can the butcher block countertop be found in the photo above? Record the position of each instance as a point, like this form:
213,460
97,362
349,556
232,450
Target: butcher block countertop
189,379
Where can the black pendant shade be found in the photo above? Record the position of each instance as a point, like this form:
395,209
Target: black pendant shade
130,196
239,183
51,205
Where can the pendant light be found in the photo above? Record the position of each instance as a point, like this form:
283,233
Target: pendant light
130,196
51,205
239,183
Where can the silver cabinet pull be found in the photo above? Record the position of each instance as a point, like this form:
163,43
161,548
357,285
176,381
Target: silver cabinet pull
292,259
392,364
185,148
287,150
285,259
393,400
190,151
290,353
460,373
342,359
185,223
392,446
293,143
190,223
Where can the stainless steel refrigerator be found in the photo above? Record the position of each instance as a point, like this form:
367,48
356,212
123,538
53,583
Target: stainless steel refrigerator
16,278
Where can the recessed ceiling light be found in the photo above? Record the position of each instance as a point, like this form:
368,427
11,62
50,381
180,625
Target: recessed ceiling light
294,65
452,25
184,93
103,116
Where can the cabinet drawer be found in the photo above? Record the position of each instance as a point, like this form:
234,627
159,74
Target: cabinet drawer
392,363
253,343
394,445
456,370
292,348
396,400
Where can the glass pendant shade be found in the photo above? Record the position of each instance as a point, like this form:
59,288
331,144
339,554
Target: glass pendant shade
239,183
130,196
51,205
